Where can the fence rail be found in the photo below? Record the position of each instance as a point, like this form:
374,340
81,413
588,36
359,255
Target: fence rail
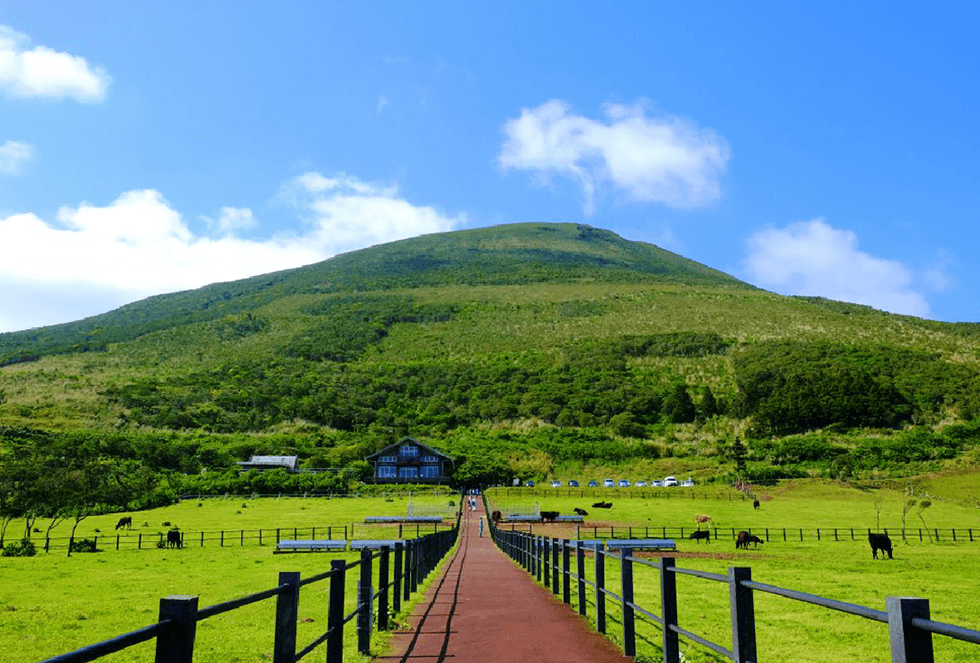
244,537
400,570
549,560
771,533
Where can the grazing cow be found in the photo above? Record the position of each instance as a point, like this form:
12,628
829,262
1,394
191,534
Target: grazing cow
602,505
125,521
495,516
755,504
701,534
581,512
880,542
744,539
174,539
549,516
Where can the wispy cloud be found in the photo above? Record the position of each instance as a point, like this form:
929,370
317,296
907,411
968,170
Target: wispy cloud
812,258
648,159
40,71
345,213
13,155
383,104
91,258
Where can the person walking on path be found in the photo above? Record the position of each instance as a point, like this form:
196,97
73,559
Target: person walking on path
481,527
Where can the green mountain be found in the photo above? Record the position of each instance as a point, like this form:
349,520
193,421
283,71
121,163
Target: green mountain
520,348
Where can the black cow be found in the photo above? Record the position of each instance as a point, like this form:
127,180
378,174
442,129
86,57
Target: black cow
174,539
744,539
495,516
755,504
701,534
549,516
125,521
581,512
880,542
602,505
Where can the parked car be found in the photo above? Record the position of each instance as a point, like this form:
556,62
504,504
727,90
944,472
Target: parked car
670,481
623,483
640,484
608,483
657,483
529,483
593,484
573,483
687,483
556,484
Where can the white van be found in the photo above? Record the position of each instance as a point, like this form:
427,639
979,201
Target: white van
608,483
670,481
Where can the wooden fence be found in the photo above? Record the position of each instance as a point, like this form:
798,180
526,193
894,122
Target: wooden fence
400,570
946,535
244,537
549,560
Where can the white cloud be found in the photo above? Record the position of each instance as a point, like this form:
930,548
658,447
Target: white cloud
43,72
383,103
13,155
346,213
92,259
664,160
814,259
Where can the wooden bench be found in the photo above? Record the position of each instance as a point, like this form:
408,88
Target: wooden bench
374,544
310,545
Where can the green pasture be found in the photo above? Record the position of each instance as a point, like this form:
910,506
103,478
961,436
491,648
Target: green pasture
843,570
52,603
233,515
794,504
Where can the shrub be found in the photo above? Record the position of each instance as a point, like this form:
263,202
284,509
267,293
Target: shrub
25,548
82,546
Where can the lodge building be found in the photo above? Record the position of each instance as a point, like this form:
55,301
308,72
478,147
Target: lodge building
410,461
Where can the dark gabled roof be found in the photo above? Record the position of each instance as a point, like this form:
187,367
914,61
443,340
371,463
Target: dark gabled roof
390,447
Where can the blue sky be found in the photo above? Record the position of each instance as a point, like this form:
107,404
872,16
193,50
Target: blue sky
823,149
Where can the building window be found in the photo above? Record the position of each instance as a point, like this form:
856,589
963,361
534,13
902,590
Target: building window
430,471
387,471
430,459
388,459
409,450
408,473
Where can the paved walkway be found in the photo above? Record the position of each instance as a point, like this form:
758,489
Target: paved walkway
486,609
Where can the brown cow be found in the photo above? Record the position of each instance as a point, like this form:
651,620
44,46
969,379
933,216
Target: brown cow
125,521
496,516
744,539
581,512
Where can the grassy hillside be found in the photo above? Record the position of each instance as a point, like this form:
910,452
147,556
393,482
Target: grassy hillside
523,350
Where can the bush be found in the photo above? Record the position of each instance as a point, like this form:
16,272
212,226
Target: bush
82,546
25,548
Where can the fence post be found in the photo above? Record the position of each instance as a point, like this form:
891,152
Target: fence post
629,630
365,606
335,611
383,576
176,643
743,615
287,610
600,586
397,594
407,572
556,567
566,571
546,553
580,571
538,555
668,610
908,643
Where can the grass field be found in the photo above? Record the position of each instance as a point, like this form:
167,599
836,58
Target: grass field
52,604
943,572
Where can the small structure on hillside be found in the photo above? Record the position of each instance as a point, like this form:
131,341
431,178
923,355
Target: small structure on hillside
410,461
288,463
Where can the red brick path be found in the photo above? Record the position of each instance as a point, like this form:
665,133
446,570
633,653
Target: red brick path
484,608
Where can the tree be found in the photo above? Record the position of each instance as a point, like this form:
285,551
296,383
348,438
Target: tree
906,508
678,405
923,505
737,453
